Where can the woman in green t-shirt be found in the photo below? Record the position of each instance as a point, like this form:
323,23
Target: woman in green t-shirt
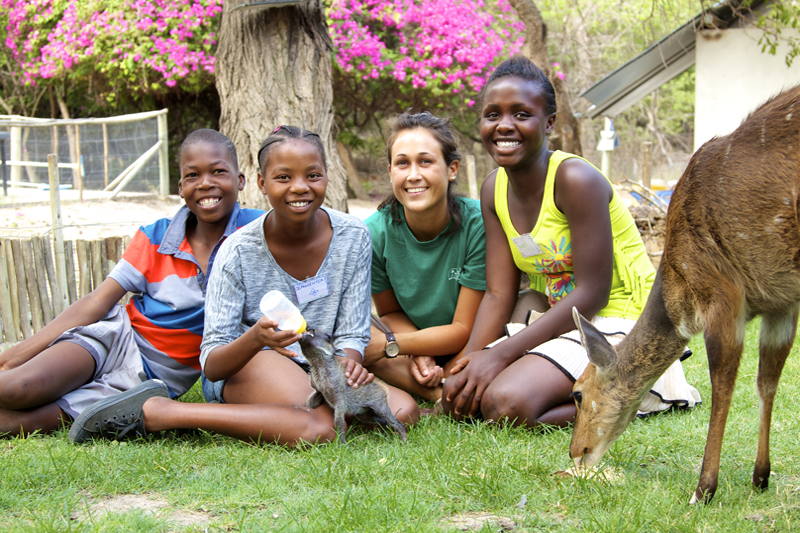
428,260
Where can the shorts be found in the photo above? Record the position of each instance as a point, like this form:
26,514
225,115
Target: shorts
567,353
118,363
212,390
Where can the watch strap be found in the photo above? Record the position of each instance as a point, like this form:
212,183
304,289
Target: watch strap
378,324
383,328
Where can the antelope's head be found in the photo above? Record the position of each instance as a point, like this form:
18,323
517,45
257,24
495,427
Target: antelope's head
606,401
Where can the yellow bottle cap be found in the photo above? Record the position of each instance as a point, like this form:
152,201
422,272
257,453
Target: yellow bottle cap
302,327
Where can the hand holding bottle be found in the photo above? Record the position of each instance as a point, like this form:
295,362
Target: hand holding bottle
280,326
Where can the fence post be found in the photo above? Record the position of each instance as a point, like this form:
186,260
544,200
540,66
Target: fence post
5,301
72,287
96,258
78,161
12,286
58,234
34,300
163,156
41,280
25,315
3,138
16,152
84,268
52,279
105,154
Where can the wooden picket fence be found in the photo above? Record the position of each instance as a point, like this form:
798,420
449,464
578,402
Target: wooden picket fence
28,280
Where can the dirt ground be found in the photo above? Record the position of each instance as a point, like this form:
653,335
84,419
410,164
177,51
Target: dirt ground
97,217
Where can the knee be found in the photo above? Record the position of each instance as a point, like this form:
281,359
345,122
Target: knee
406,410
318,430
15,390
502,402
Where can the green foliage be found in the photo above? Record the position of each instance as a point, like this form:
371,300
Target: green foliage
592,38
781,16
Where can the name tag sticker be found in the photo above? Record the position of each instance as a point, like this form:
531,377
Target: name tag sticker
311,289
527,246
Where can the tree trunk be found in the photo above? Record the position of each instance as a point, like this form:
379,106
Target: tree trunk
274,67
353,179
566,133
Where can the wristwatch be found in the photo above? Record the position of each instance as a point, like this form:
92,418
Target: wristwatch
392,348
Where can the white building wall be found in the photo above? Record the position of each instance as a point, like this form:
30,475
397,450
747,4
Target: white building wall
733,78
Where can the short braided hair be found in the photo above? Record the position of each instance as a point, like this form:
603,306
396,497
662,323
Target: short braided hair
283,134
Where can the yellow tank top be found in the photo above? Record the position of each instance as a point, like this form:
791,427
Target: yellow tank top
551,270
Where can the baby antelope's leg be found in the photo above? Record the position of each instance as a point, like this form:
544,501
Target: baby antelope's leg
383,412
315,399
339,422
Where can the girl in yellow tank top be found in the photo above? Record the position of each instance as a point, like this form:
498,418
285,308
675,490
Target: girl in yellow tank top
555,217
551,270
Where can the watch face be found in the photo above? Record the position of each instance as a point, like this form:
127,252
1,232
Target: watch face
392,349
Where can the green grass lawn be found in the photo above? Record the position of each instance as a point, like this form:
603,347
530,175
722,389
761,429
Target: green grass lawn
449,476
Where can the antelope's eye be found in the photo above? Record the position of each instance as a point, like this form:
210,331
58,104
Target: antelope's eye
577,396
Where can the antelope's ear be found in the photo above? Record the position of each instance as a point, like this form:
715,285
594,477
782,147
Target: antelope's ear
600,352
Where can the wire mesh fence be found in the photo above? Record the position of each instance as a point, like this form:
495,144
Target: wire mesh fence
94,154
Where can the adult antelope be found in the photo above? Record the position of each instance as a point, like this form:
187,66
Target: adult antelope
732,252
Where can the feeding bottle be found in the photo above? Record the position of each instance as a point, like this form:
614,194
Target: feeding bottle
277,307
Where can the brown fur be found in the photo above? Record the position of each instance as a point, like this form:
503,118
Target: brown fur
732,252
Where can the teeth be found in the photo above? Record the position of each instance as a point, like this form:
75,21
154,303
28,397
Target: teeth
417,189
299,204
205,202
507,144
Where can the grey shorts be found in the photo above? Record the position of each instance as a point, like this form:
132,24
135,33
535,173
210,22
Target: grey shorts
118,363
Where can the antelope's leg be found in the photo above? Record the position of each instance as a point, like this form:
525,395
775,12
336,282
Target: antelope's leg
724,343
338,421
777,337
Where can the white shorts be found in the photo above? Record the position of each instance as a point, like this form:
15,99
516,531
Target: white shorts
567,353
118,363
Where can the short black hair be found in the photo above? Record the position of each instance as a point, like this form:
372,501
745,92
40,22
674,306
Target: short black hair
283,134
208,136
521,67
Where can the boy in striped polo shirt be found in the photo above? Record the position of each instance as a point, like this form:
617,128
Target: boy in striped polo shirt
97,349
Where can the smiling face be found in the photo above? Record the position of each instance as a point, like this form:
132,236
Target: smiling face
514,121
294,179
419,173
210,181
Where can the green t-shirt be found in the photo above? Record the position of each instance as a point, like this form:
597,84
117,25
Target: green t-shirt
427,276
